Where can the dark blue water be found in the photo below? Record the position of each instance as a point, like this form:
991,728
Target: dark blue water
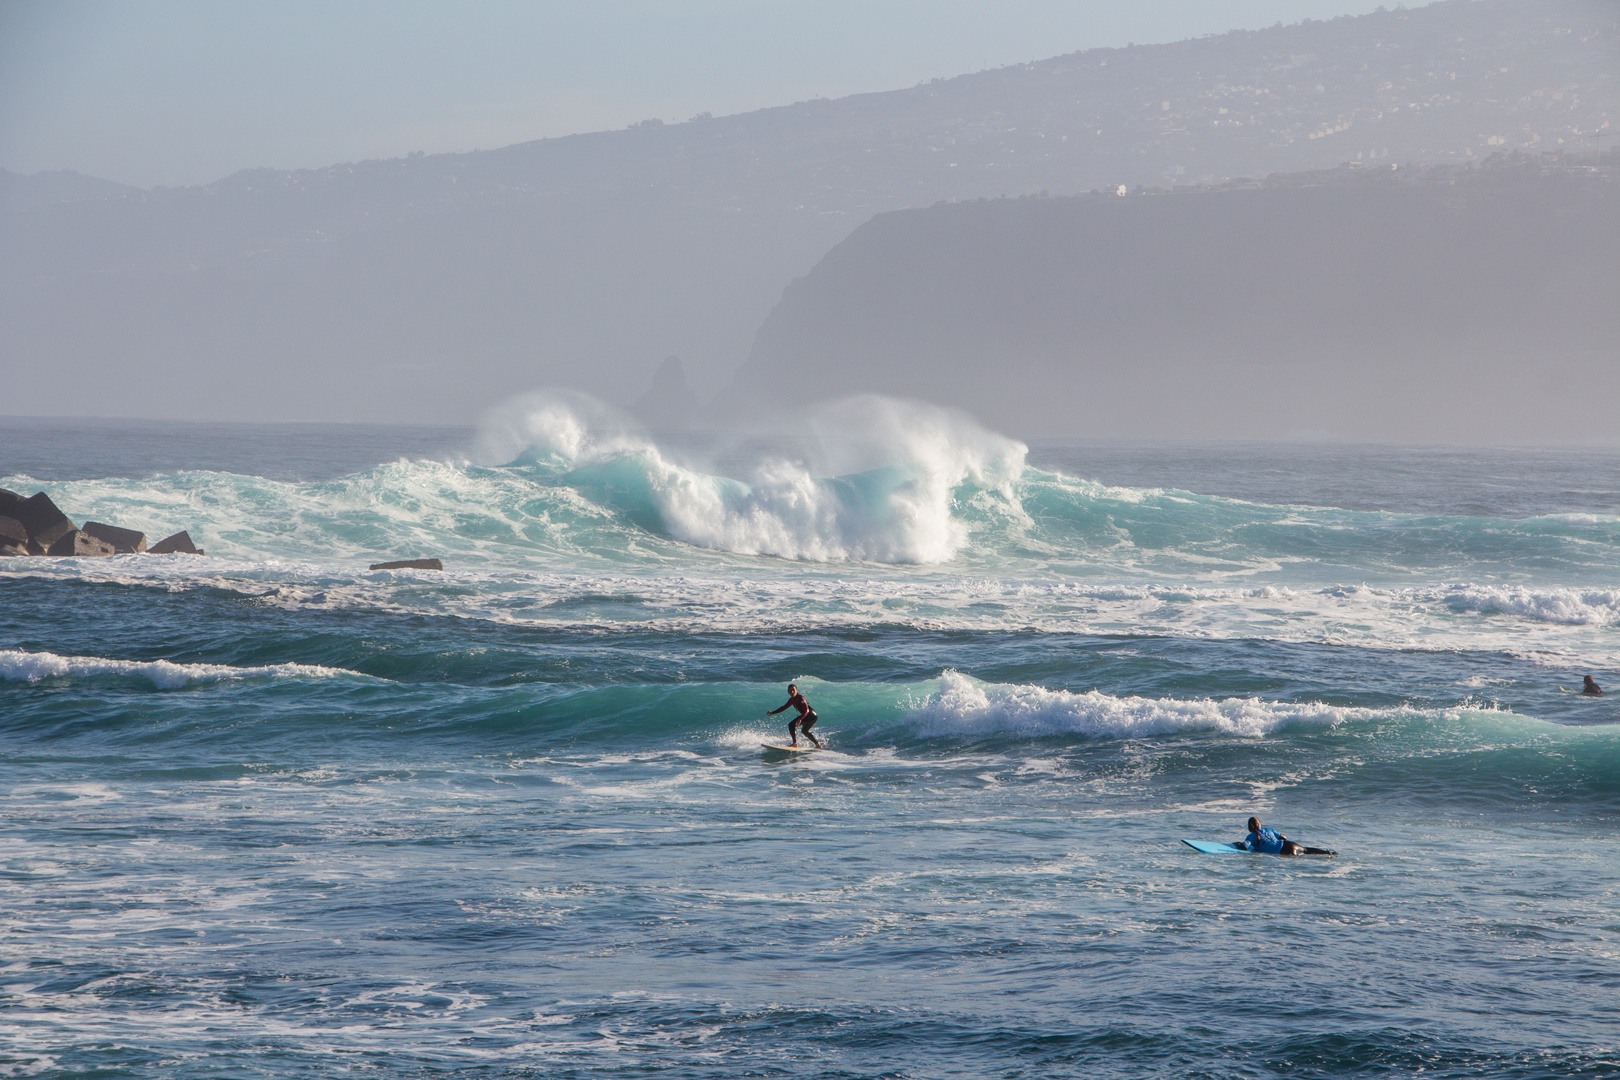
269,813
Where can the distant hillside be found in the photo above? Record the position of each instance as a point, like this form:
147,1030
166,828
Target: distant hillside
1471,305
425,288
20,192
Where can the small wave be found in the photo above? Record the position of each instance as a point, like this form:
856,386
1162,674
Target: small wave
964,706
19,666
1571,607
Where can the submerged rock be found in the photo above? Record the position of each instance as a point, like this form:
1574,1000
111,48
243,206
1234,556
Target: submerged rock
409,564
180,543
123,541
78,543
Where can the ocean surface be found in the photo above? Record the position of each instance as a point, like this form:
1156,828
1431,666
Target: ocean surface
268,813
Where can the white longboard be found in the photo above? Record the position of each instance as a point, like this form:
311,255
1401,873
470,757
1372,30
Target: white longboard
802,748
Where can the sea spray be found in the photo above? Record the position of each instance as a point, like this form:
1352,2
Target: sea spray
880,481
871,479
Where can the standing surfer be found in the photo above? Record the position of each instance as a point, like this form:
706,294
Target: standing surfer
804,721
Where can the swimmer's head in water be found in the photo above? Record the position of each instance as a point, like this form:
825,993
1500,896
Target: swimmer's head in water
1254,824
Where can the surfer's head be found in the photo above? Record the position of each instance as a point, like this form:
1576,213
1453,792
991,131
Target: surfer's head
793,688
1254,824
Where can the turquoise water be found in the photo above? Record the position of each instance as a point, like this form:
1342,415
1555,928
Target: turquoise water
269,813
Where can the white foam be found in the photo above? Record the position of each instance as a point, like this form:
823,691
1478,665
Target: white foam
19,666
1572,607
880,485
964,707
1561,627
752,735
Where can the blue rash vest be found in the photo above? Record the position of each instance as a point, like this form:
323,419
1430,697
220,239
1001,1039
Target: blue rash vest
1264,842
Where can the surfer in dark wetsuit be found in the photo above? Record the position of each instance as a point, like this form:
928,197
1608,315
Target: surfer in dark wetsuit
1591,687
804,721
1265,841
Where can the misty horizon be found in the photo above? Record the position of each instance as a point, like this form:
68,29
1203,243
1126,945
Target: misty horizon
433,287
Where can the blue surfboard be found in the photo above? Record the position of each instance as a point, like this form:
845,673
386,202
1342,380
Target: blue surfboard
1211,848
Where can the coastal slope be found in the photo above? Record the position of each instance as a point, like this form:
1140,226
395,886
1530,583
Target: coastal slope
427,287
1469,306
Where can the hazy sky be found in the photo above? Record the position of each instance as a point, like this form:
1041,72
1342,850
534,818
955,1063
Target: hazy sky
185,92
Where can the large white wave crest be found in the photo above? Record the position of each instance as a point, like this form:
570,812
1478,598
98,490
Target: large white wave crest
877,479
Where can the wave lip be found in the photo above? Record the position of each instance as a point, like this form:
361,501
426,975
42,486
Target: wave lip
964,706
19,666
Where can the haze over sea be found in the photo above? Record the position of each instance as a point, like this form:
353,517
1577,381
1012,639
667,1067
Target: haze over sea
269,813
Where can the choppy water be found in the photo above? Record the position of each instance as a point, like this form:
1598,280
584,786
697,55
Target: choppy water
269,813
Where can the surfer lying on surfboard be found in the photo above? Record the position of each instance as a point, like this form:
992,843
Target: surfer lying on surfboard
1266,841
804,721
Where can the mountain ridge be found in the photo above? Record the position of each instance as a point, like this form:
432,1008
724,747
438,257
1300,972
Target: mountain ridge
426,288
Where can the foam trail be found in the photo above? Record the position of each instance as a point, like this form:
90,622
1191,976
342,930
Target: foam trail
881,485
19,666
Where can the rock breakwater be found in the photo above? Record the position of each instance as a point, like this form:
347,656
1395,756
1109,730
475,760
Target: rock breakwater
36,526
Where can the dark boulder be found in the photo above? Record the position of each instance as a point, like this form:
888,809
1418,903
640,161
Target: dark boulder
409,564
9,502
81,544
123,541
13,537
44,522
180,543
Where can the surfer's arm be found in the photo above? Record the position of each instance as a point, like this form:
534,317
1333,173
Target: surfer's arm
773,712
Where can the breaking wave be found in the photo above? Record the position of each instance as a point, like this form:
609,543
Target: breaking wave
964,707
1571,607
880,485
562,484
19,666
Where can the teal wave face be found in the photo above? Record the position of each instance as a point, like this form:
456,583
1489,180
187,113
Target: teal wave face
1444,752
